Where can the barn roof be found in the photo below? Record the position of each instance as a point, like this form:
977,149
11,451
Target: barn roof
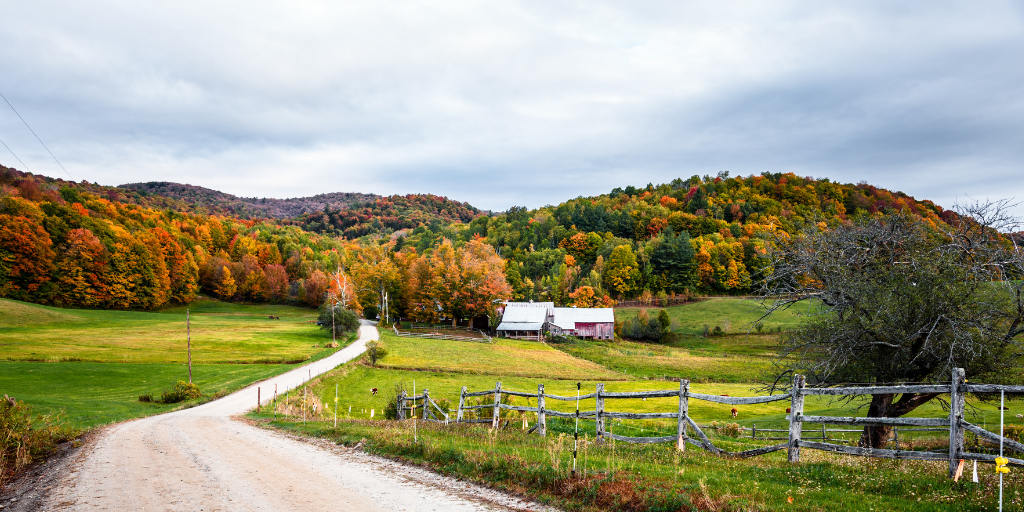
544,305
566,318
523,314
520,326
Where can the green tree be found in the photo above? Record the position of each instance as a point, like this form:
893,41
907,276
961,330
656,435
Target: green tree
673,259
903,300
622,274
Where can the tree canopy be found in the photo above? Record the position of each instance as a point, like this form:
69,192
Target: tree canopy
902,300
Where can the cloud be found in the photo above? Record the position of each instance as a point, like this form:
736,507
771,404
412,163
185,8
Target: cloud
504,103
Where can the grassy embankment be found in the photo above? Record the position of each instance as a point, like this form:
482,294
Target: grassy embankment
619,475
74,360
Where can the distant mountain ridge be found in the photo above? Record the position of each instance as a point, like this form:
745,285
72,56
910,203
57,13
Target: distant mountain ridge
204,200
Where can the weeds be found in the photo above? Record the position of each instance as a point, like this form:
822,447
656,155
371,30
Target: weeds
25,437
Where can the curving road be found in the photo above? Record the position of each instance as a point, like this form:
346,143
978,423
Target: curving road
200,459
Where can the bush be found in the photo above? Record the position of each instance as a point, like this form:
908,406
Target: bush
25,437
643,327
344,320
376,350
391,410
146,398
182,391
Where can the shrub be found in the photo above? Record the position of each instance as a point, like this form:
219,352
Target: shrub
376,350
146,398
643,327
344,320
182,391
25,437
391,410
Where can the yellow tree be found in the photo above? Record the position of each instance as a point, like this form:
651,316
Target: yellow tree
622,273
375,274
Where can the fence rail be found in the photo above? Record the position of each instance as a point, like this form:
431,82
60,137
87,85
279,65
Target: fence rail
689,432
484,338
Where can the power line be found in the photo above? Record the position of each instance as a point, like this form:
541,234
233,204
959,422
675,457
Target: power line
15,156
37,137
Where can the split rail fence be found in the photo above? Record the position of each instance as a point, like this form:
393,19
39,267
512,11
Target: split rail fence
688,431
484,338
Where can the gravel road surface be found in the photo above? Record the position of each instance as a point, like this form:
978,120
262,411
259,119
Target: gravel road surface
200,459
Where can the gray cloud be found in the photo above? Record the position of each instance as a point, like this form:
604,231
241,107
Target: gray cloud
502,103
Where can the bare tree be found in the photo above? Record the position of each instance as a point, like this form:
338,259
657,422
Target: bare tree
903,300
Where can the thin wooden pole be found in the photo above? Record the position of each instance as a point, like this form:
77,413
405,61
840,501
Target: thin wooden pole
1002,409
795,423
542,417
257,399
956,414
426,403
188,337
684,411
303,405
412,412
599,411
497,405
462,403
335,405
576,430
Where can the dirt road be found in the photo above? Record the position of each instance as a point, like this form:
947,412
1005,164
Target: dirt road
201,459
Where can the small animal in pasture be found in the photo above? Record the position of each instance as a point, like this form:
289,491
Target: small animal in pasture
734,412
374,391
274,317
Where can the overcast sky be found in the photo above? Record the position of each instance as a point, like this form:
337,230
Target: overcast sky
503,103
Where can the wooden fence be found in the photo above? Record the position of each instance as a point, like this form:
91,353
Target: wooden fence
688,431
439,336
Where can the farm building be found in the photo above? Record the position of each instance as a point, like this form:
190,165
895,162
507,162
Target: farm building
597,323
525,320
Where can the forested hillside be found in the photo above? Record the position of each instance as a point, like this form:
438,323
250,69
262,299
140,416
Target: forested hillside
82,244
206,201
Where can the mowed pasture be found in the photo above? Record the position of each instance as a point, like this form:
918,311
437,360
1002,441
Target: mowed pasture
621,476
93,365
92,394
733,315
221,333
513,358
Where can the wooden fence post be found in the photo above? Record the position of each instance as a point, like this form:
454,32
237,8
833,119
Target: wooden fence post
462,403
426,403
497,402
401,405
795,423
684,411
542,422
599,411
956,414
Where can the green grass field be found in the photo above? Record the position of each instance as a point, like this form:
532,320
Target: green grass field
92,394
93,365
734,316
516,358
221,333
654,475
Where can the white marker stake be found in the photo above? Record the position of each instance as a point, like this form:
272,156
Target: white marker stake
335,405
1002,403
975,471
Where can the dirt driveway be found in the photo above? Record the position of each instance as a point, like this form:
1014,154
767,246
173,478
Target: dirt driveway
200,459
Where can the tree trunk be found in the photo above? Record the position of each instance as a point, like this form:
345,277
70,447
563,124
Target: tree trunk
876,436
882,406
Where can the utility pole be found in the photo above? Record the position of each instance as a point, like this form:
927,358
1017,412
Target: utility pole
188,337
